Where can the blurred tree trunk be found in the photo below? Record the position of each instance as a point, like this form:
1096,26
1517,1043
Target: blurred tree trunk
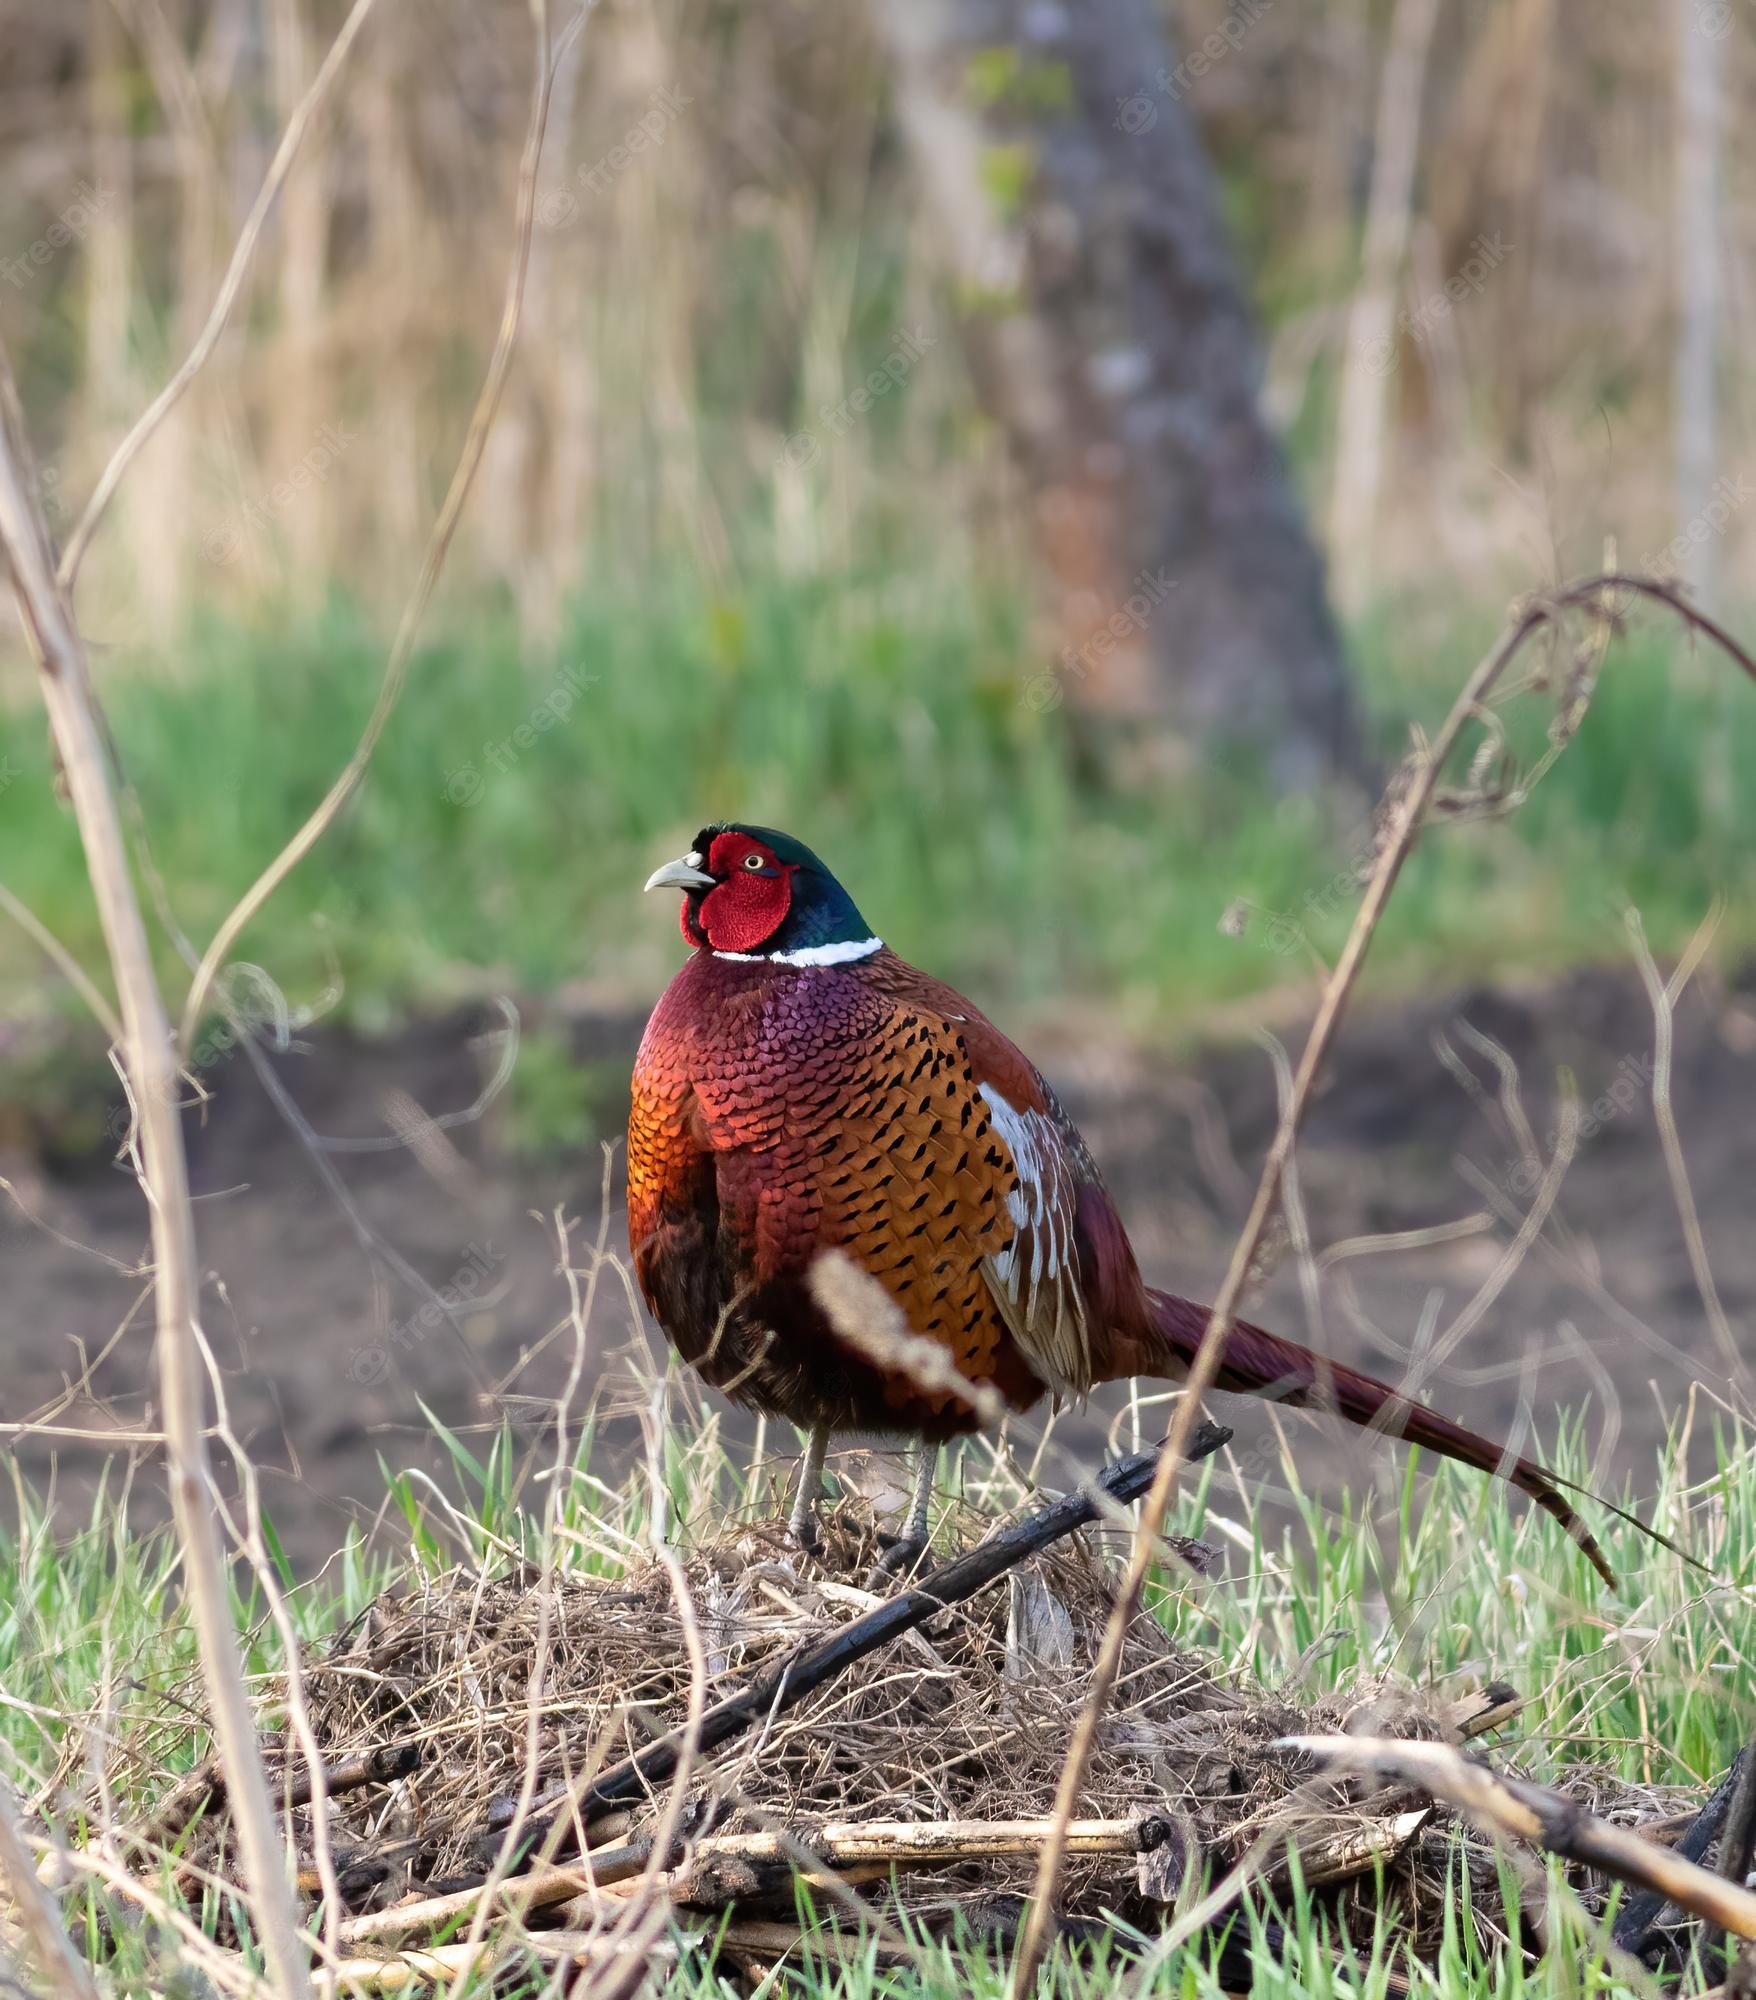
1111,336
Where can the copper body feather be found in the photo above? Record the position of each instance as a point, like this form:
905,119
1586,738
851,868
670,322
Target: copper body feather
780,1112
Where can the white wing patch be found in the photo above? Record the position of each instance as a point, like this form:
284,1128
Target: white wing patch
1035,1279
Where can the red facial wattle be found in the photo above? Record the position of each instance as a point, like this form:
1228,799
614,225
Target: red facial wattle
753,893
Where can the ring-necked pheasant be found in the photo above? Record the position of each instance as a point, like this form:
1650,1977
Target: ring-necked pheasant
801,1089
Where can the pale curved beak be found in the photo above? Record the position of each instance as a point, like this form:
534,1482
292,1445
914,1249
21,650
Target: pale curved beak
684,874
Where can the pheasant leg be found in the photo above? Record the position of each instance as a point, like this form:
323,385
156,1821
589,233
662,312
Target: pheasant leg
908,1548
802,1521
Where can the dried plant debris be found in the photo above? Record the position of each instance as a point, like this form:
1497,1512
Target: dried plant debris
424,1707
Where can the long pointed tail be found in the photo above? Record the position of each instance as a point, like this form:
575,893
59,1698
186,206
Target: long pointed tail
1258,1363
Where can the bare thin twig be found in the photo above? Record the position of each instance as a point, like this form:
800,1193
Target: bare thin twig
1399,838
1413,795
152,1073
63,960
1664,996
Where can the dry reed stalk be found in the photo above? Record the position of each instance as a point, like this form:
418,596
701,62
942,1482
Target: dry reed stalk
930,1843
439,542
511,1896
67,576
446,1964
1418,790
57,1962
80,738
1412,793
836,1846
1370,345
1528,1812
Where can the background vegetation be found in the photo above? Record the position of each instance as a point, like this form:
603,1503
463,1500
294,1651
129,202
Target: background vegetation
772,605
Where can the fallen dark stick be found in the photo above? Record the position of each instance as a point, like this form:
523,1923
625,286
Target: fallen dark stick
1637,1928
207,1787
1737,1841
360,1870
816,1661
1544,1818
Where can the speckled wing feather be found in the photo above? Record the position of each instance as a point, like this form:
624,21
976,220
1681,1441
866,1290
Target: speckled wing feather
1029,1157
913,1184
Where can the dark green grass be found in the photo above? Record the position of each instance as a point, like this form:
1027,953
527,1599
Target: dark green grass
886,721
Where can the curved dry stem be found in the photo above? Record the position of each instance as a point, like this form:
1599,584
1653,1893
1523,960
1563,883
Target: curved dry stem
1664,996
438,547
64,962
253,1544
1412,794
67,575
58,1964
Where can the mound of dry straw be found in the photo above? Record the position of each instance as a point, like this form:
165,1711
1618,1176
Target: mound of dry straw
965,1720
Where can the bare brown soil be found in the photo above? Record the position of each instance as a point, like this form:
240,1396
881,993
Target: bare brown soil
328,1361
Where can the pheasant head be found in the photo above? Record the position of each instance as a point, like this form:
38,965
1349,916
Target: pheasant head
750,892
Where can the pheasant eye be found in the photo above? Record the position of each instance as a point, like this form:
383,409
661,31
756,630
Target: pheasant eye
752,860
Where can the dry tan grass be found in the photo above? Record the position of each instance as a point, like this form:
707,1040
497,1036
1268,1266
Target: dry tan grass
966,1721
729,235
